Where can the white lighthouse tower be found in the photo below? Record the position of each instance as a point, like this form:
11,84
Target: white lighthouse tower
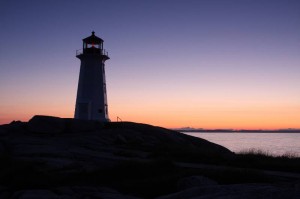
91,101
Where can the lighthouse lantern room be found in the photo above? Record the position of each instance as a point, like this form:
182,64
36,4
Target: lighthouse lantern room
91,101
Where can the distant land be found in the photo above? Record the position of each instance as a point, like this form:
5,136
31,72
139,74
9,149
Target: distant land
201,130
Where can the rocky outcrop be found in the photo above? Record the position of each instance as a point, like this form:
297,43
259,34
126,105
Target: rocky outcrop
50,157
236,191
71,144
73,192
194,181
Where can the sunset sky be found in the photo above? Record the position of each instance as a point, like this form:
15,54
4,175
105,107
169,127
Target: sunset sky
174,63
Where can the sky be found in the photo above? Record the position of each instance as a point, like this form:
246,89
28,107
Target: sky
230,64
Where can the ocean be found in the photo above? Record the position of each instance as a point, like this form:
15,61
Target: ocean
273,143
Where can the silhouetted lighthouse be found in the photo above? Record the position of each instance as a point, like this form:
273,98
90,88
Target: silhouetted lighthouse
91,101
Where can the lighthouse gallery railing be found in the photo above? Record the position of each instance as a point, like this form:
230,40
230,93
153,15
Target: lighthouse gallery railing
94,51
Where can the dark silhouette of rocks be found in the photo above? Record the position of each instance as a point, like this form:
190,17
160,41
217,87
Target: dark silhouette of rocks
50,157
86,145
236,191
195,181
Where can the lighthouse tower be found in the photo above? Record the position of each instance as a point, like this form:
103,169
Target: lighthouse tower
91,101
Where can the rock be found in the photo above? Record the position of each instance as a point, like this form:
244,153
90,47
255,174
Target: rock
71,145
4,193
80,126
120,139
3,150
53,152
3,132
98,192
78,192
14,126
236,191
15,122
34,194
46,124
195,181
297,189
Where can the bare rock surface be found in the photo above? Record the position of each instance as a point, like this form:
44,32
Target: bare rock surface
83,145
50,157
76,192
236,191
195,181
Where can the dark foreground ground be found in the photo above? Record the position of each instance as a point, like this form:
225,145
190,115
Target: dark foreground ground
51,157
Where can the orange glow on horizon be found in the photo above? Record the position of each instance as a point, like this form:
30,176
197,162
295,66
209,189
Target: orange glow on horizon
174,114
250,122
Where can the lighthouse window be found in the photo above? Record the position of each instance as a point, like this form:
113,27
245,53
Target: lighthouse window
92,45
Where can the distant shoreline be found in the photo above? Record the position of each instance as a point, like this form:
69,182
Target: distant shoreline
236,131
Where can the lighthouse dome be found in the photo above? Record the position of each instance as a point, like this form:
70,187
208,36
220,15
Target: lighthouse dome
93,39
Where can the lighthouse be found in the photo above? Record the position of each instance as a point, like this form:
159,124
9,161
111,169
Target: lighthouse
91,101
